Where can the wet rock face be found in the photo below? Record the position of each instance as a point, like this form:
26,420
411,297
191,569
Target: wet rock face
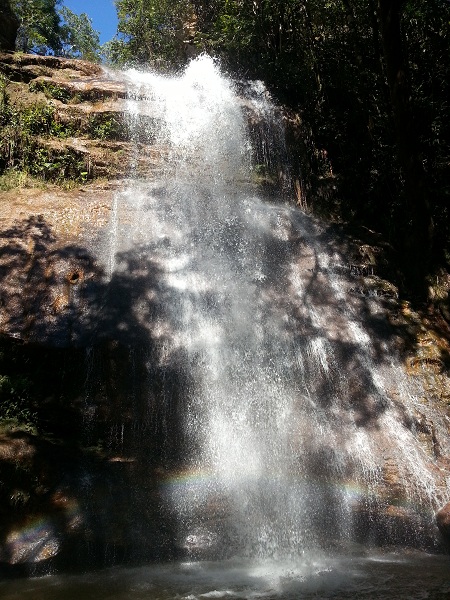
443,521
8,26
94,376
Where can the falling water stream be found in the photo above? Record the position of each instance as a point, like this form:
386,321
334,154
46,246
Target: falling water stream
287,395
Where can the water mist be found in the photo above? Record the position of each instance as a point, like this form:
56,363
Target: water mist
288,404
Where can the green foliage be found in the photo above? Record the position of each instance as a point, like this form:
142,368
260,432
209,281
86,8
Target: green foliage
37,119
150,31
48,27
14,178
38,387
16,404
4,102
117,52
50,90
106,127
39,30
21,152
54,166
79,38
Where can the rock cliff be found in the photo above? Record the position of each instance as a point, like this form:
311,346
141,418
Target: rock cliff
76,387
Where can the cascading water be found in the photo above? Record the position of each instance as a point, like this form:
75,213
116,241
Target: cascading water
257,434
286,405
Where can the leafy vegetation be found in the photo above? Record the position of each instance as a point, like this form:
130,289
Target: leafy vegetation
106,127
49,27
39,26
79,39
31,396
50,90
23,156
150,31
15,405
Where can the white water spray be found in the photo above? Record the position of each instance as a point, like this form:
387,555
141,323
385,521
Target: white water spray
285,405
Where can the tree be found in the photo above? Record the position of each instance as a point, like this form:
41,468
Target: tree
78,37
426,34
48,27
39,26
8,26
416,214
151,30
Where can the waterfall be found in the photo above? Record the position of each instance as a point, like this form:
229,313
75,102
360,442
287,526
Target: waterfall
281,410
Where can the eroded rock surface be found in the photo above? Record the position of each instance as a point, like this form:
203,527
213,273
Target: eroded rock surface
77,333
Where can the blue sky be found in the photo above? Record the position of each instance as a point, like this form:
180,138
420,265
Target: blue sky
102,13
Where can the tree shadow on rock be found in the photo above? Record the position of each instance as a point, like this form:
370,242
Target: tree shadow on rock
103,399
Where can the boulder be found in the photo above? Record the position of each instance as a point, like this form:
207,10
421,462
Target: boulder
9,25
443,521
